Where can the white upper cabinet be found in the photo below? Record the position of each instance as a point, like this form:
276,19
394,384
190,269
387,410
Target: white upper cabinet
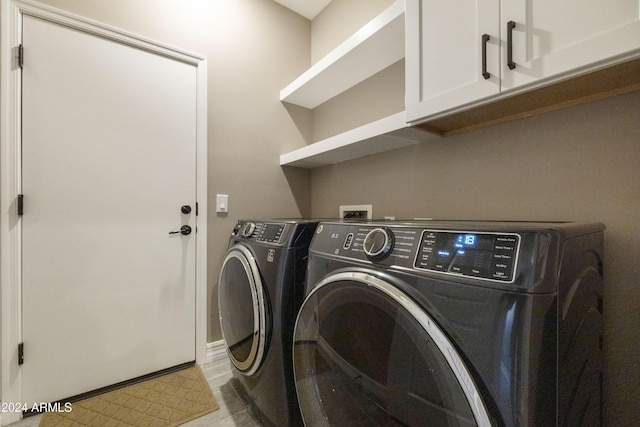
551,38
462,54
445,53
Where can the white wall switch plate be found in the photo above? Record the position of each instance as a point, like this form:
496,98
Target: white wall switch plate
222,203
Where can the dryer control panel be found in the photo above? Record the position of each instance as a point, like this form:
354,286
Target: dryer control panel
518,255
476,254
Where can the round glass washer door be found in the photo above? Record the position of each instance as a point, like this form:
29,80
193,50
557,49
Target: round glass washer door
365,354
243,309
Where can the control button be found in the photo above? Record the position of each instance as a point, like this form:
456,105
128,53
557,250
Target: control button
501,275
505,244
348,241
378,243
502,256
501,270
248,229
508,247
501,265
423,261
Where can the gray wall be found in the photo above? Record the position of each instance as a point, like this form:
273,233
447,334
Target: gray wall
254,49
339,20
577,164
377,97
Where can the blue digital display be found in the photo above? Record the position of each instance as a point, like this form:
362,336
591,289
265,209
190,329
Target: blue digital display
465,241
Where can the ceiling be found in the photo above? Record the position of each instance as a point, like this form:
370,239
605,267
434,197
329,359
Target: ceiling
307,8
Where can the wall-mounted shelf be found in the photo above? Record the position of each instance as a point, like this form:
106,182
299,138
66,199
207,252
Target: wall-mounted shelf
385,134
374,47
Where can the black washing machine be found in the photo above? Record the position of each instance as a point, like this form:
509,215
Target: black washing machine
451,324
260,289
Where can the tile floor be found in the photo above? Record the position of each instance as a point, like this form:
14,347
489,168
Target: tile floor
232,412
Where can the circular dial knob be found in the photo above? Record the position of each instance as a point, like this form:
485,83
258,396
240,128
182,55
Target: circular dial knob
378,243
248,229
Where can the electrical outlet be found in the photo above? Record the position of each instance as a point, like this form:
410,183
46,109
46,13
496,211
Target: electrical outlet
356,212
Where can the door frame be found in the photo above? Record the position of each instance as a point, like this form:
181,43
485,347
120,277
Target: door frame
11,14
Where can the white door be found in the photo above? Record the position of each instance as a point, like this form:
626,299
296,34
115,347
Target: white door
551,38
109,159
446,51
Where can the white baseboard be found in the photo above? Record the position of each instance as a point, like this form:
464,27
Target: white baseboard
216,350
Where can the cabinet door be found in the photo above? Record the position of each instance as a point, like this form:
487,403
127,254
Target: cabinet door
445,54
552,38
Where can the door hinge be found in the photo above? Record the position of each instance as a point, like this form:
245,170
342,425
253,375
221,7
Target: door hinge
20,56
20,353
20,204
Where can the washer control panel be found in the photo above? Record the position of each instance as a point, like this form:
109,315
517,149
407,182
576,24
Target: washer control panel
483,255
261,231
270,233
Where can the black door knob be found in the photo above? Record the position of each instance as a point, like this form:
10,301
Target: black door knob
186,209
185,230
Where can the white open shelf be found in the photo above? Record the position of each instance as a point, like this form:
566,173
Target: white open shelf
385,134
374,47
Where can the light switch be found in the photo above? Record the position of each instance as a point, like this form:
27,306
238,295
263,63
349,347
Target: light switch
222,203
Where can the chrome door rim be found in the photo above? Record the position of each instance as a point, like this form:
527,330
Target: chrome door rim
445,346
252,363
